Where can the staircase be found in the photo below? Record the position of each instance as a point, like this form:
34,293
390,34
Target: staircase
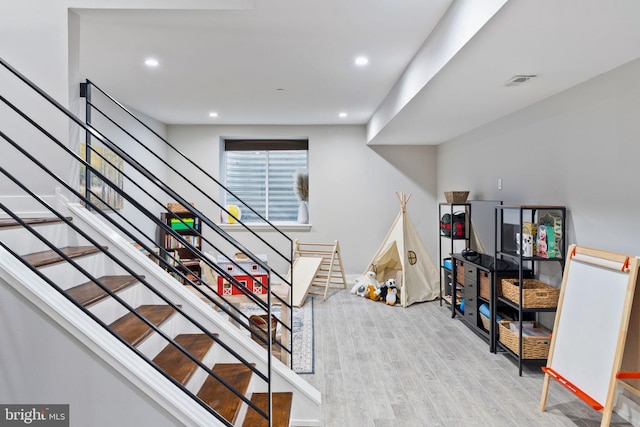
87,319
189,345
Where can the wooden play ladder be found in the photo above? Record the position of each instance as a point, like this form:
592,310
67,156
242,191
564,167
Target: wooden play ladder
331,270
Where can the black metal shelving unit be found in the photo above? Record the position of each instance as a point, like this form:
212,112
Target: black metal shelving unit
447,247
503,250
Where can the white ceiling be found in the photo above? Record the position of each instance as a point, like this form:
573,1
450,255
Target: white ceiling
233,61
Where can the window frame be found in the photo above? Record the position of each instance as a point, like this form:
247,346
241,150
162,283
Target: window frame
266,145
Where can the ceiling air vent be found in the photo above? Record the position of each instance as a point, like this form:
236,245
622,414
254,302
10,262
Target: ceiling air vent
519,79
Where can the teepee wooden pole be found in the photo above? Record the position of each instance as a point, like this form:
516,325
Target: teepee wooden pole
403,199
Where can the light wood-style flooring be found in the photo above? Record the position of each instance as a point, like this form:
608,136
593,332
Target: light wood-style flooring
383,366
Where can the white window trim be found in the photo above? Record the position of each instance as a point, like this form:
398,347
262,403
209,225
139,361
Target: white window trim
284,226
266,227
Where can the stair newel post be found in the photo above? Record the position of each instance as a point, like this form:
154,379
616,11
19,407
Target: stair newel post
270,351
85,92
290,301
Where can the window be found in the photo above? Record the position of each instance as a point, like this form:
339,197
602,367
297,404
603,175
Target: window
261,173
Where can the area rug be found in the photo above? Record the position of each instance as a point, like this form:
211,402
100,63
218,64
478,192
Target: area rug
302,333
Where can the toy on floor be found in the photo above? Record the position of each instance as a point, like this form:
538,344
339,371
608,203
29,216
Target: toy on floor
360,287
392,293
371,293
381,292
384,289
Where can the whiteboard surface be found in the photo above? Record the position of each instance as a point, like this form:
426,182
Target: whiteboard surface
587,332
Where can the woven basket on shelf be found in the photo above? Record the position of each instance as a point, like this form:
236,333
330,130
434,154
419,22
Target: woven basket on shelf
456,196
258,324
485,285
532,347
486,324
535,294
460,271
178,207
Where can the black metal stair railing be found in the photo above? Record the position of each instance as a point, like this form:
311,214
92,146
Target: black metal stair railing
190,187
143,172
129,226
174,265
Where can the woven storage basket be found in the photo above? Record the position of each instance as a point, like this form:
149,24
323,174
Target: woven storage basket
177,207
258,324
532,347
485,285
460,271
456,196
535,294
486,324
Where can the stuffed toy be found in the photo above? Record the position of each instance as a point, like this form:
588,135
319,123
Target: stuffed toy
391,295
371,293
361,290
384,289
362,282
381,292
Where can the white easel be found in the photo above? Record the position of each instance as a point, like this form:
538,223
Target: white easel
594,346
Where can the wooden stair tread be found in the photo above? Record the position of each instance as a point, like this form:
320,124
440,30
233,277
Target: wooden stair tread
134,330
175,363
10,222
43,258
219,397
89,293
281,410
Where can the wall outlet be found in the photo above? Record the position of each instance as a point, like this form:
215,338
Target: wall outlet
499,183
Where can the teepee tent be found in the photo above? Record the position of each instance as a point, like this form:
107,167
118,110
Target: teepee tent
403,257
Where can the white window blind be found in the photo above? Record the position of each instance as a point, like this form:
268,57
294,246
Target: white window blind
261,173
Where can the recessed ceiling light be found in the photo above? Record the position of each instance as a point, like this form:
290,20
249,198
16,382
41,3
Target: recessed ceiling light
213,114
361,60
342,115
151,62
279,89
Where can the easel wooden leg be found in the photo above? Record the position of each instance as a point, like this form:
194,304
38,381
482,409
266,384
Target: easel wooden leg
607,413
545,392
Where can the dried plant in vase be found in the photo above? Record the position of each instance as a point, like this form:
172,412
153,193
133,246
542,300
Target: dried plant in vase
301,188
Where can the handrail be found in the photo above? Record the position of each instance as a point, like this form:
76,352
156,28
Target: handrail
166,190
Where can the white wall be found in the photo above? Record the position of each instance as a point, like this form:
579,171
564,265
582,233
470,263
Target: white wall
52,367
579,149
351,185
33,39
